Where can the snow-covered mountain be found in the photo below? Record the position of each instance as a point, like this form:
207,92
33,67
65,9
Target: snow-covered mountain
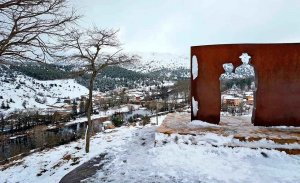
154,61
18,91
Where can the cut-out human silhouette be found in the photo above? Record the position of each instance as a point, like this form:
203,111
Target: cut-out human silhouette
276,97
244,70
228,68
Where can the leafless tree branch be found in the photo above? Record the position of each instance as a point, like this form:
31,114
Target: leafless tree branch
29,28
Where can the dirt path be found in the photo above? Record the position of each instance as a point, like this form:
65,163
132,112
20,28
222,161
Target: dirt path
85,171
99,169
124,161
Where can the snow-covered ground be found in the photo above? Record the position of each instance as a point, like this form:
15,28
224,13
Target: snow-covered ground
24,91
110,112
133,157
53,162
159,119
139,161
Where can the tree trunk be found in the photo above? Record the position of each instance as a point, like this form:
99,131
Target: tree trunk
2,126
89,114
156,113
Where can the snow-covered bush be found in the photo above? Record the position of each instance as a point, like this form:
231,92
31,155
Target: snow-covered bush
40,100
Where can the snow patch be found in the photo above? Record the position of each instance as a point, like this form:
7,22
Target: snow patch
194,67
160,119
198,123
195,106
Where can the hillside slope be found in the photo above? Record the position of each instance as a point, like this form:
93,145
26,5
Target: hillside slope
153,61
18,91
108,79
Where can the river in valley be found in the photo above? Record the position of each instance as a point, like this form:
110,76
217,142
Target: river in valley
43,136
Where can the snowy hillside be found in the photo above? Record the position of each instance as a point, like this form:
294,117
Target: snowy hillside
156,61
19,92
129,155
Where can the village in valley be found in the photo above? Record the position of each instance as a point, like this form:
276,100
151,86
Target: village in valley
121,100
55,111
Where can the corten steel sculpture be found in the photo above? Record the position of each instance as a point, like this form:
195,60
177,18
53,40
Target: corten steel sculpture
277,75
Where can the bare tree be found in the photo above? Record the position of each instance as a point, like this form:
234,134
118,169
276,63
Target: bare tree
93,50
2,122
29,28
182,87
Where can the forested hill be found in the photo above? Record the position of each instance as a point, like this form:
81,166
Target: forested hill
110,78
43,71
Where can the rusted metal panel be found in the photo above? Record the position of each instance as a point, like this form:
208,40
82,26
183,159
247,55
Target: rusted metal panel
277,71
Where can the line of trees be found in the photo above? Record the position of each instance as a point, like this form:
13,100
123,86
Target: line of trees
242,83
23,120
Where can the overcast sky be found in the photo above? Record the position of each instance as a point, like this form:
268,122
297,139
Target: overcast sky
175,25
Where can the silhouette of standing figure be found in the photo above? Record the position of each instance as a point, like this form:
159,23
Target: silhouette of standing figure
244,70
228,68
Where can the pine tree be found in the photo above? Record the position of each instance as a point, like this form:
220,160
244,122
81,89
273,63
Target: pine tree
2,125
2,105
24,104
74,107
74,102
81,107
